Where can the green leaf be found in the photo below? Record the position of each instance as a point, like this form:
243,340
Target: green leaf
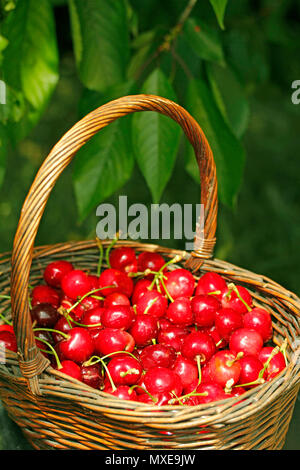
30,61
104,163
156,138
204,41
230,97
101,41
228,152
219,7
3,148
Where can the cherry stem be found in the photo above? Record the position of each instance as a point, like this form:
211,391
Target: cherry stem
158,276
109,248
100,246
150,305
166,290
239,355
232,287
64,335
154,399
85,296
215,292
275,351
129,371
258,381
94,359
5,320
59,364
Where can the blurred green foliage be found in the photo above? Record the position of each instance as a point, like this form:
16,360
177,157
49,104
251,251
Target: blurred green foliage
235,77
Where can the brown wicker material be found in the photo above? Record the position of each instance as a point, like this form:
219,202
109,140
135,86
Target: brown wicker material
56,411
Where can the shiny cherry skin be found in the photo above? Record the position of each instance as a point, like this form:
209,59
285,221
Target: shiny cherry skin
124,259
140,287
144,329
75,284
211,282
45,295
91,375
45,315
151,261
224,366
173,336
158,399
124,370
250,369
200,344
157,355
6,327
215,335
116,298
186,370
152,303
162,379
8,341
122,392
260,320
79,346
211,392
179,283
246,340
94,281
180,312
204,307
111,340
276,365
230,299
113,280
70,368
55,271
227,320
62,325
118,316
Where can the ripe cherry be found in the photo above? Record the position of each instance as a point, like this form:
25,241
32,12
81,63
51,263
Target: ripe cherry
111,340
75,284
123,392
8,341
204,307
158,399
45,295
91,375
144,329
200,344
70,368
124,370
173,336
162,379
124,259
250,369
179,283
139,289
231,298
116,298
94,281
152,261
115,281
78,347
152,303
180,312
157,355
209,283
227,320
55,271
7,328
224,368
211,392
45,315
215,335
186,370
118,316
276,364
260,320
62,325
246,340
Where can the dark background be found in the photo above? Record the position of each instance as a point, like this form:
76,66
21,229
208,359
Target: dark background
262,234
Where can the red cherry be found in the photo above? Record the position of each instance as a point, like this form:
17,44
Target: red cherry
75,284
70,368
211,282
7,328
212,391
44,295
204,308
111,340
180,312
91,375
250,369
139,289
151,261
8,341
62,325
124,259
230,299
144,329
94,281
224,367
163,323
118,316
246,340
55,271
276,365
173,336
116,298
179,283
152,303
215,335
45,315
186,370
125,370
123,392
227,320
157,355
159,399
119,281
162,379
260,320
200,344
78,347
90,303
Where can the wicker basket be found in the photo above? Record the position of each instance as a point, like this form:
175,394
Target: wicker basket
55,411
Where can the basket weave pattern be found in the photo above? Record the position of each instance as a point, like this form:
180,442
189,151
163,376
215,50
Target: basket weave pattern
55,411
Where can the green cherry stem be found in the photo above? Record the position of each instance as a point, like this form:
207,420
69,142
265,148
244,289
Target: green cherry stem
59,364
232,287
109,248
5,319
99,265
51,330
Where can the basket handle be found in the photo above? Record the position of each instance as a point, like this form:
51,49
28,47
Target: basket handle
31,361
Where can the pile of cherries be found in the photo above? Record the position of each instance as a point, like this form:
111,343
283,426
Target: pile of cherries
146,330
